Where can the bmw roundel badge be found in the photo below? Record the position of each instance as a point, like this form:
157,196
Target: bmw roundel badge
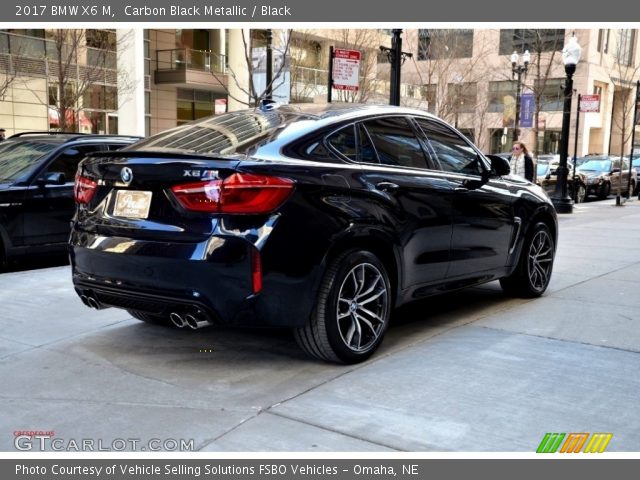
126,175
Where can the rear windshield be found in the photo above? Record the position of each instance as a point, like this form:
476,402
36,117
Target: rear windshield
18,159
227,134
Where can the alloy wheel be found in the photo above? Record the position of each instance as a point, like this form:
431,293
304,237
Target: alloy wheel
540,260
362,307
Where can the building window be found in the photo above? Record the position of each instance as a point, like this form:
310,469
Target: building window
441,43
195,104
462,97
551,95
534,40
549,142
497,93
423,44
25,42
102,39
100,97
603,40
626,41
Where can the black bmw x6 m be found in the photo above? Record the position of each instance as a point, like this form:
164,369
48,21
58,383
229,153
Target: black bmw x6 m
322,219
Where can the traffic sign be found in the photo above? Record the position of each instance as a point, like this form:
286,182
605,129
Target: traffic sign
346,69
589,103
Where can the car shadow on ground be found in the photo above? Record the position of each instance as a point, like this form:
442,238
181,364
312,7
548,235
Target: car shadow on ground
219,346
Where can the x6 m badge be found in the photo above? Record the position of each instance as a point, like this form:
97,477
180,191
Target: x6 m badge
202,174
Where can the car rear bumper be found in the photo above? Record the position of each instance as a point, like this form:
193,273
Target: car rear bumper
213,277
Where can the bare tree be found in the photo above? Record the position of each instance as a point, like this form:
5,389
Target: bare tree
9,72
623,73
82,60
544,46
450,64
254,93
310,60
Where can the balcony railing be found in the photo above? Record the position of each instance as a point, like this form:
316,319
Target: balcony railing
186,58
309,76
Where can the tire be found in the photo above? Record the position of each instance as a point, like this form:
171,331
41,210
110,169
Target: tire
605,190
150,318
352,310
581,194
533,272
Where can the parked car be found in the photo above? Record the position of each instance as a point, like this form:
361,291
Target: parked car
606,173
318,218
635,165
547,178
37,171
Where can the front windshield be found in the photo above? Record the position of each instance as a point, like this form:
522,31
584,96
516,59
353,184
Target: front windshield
19,158
596,165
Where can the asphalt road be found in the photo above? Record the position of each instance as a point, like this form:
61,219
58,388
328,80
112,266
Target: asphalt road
471,371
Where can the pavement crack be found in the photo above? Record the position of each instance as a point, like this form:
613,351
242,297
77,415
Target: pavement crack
332,430
563,340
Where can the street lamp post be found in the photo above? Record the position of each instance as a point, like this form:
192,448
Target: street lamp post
570,57
396,57
518,70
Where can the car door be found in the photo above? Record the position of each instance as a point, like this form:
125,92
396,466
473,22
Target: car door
411,200
49,204
483,208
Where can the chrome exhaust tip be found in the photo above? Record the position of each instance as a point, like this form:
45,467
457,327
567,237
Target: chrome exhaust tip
194,322
85,300
93,303
177,319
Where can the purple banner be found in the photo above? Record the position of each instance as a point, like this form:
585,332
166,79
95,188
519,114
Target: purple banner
526,110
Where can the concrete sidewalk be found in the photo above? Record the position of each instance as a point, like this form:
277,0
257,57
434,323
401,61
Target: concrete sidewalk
471,371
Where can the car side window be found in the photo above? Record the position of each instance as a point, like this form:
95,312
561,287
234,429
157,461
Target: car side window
67,161
366,150
395,142
452,151
344,141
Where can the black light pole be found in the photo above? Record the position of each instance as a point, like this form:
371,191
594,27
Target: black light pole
518,70
269,76
396,58
570,57
634,122
575,151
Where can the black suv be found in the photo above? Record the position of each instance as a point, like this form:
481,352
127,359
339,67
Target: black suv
319,218
37,172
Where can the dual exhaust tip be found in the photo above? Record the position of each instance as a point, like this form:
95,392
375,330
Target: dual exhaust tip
193,321
91,302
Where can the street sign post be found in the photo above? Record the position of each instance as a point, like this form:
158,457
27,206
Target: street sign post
346,69
589,103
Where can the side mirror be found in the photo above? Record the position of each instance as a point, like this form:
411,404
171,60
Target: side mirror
53,178
499,165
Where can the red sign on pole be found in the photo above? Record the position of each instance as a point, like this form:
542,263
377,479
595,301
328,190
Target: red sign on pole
346,69
589,103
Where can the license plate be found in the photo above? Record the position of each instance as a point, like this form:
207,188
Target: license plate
132,204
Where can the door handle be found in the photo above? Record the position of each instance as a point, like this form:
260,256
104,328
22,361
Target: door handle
387,186
460,189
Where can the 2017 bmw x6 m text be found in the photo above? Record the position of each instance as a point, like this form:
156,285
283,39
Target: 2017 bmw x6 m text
322,219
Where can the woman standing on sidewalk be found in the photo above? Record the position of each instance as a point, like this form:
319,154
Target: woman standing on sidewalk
521,162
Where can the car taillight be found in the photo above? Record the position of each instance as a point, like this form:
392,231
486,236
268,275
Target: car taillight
84,189
239,193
